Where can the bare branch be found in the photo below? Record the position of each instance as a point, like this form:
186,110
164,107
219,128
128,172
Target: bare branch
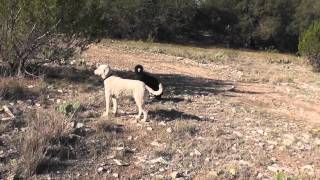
49,31
16,18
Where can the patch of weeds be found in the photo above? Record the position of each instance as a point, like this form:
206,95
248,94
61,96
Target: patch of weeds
290,80
315,132
68,107
44,128
13,88
280,175
279,61
184,128
167,153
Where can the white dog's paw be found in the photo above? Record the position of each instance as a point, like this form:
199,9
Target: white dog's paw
105,114
144,120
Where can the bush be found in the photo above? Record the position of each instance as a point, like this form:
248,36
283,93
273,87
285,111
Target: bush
68,107
309,45
44,127
13,88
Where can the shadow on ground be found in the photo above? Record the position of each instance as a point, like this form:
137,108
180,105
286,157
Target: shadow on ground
171,115
175,84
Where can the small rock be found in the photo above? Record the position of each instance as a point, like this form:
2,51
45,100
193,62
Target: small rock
111,156
261,144
237,133
289,140
19,102
271,147
118,148
120,163
30,86
309,169
101,169
232,171
196,152
157,144
60,90
169,130
272,143
260,131
180,58
79,125
274,168
116,175
207,159
162,123
38,105
159,160
149,128
260,176
130,138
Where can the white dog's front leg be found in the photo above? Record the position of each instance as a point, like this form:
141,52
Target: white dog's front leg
107,104
115,105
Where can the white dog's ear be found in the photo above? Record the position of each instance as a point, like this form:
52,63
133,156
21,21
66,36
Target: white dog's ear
106,70
97,71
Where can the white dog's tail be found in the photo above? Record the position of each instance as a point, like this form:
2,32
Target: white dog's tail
156,93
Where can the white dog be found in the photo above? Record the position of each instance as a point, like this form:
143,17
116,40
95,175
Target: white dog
116,87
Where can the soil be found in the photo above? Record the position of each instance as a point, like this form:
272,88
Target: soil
243,118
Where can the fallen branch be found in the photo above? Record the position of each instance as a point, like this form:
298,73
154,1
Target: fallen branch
8,112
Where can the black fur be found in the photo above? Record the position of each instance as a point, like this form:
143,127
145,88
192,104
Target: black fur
149,80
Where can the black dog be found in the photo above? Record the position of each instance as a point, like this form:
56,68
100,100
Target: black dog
149,80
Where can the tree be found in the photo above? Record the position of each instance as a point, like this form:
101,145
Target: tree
309,45
26,29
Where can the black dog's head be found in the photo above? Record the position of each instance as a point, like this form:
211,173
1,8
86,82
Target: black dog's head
138,68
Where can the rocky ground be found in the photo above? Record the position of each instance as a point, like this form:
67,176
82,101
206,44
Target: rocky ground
202,129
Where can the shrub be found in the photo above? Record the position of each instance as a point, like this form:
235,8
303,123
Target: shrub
309,45
68,107
43,128
13,88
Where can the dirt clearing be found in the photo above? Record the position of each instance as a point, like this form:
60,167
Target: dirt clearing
202,129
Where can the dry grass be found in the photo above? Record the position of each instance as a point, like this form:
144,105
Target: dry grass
203,54
13,88
182,128
43,128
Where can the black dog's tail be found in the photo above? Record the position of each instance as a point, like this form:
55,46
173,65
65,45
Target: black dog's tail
138,69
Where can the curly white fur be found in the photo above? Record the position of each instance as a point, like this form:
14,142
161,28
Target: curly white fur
116,87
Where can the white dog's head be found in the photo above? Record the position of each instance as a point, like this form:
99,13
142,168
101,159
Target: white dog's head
103,71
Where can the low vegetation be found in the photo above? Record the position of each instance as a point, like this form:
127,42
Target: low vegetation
309,45
44,129
15,88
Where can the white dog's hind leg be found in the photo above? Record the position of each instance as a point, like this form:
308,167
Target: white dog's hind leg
139,104
139,113
115,105
145,114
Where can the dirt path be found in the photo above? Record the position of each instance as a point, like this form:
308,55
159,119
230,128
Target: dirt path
267,96
269,122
